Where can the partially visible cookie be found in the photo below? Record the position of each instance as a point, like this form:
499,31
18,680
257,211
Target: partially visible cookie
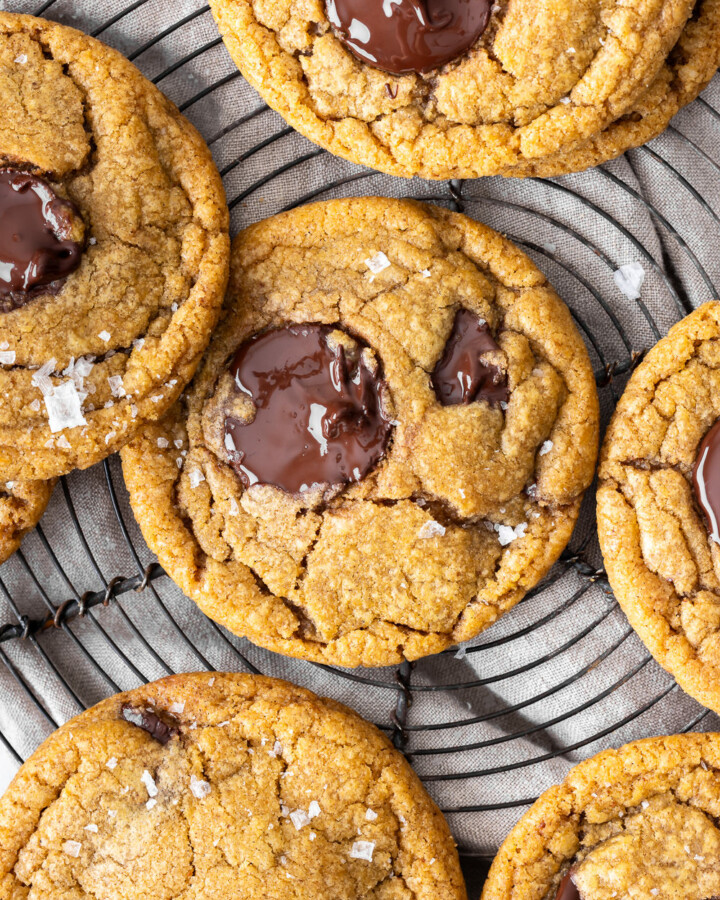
687,71
517,83
22,504
641,822
387,443
656,528
213,785
113,249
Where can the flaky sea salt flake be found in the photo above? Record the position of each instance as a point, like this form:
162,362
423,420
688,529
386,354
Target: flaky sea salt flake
507,534
91,827
370,815
105,336
149,783
299,818
64,408
200,789
378,263
196,476
546,448
7,357
363,850
431,529
116,385
314,809
151,802
72,848
629,279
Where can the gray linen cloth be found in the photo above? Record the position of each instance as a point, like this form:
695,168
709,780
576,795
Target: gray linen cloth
559,678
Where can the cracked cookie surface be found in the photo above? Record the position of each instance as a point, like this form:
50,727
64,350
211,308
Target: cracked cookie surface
252,788
22,504
84,366
635,823
662,564
538,81
470,504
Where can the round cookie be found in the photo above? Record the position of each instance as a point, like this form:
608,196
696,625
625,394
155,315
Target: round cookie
22,504
467,504
662,563
104,182
534,83
687,71
212,785
641,822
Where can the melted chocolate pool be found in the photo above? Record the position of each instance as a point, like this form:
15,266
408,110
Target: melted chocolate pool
403,36
35,246
319,418
461,376
706,480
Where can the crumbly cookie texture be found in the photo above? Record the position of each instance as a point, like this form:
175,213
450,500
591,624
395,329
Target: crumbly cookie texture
470,505
116,345
22,504
661,562
641,822
537,82
255,789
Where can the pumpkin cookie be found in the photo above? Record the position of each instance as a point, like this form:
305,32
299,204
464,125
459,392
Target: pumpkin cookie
658,503
387,443
641,822
688,70
22,504
450,90
213,785
113,249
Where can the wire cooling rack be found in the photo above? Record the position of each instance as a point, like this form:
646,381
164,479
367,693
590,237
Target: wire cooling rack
85,611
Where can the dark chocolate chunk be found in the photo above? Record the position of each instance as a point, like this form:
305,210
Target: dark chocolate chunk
706,480
149,721
318,415
36,250
401,36
567,889
461,376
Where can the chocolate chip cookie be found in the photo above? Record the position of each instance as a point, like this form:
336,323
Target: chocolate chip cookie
113,249
641,822
451,90
22,504
688,70
659,503
388,440
213,785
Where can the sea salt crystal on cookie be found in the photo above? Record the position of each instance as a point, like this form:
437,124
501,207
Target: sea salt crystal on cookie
370,815
151,802
431,529
105,336
72,848
112,762
234,508
507,534
546,448
116,385
7,357
149,783
299,818
196,476
629,280
163,443
64,408
200,789
378,263
41,378
178,707
314,809
92,828
363,850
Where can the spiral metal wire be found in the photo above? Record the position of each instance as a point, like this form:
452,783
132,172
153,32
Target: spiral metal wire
85,611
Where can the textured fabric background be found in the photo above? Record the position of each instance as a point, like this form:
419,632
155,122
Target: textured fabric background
555,681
